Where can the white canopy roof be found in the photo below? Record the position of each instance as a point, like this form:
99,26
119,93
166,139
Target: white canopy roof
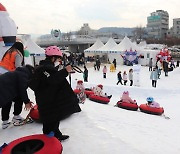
31,46
124,45
108,46
98,44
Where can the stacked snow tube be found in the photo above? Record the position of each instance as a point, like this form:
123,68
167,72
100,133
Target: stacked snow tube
87,92
34,113
151,110
127,106
99,99
37,144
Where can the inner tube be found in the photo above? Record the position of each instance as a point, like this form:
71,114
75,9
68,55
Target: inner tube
87,92
151,110
38,144
99,99
127,106
34,114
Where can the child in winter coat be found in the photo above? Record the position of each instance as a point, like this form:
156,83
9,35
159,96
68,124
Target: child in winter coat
54,95
104,71
152,103
125,98
154,77
81,95
125,77
119,78
98,90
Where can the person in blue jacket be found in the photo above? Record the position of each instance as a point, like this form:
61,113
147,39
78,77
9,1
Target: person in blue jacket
154,77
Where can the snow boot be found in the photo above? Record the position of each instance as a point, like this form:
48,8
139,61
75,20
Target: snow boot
5,124
17,118
63,137
110,96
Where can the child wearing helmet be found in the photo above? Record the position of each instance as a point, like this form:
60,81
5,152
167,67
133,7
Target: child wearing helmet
98,90
152,103
126,98
54,95
81,95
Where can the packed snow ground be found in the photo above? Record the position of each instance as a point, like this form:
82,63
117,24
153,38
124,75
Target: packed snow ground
105,129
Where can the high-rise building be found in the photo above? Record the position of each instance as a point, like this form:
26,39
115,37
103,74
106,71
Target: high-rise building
158,24
176,27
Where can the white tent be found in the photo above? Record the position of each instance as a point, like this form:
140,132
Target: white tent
98,44
108,46
31,46
124,45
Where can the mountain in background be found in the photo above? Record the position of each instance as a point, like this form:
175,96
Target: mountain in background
118,30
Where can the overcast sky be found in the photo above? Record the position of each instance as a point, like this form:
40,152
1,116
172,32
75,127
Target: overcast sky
40,16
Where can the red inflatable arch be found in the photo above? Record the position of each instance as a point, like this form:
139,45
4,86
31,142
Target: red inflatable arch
127,106
151,110
36,144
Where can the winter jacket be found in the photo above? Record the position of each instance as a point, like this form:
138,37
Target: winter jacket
98,91
130,75
13,84
54,95
154,104
150,63
12,60
104,70
119,76
154,75
125,98
124,76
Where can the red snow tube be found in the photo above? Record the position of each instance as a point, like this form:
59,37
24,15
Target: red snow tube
151,110
87,91
34,113
34,144
127,106
99,99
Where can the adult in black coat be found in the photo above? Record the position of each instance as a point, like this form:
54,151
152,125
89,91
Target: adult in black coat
54,95
14,84
165,67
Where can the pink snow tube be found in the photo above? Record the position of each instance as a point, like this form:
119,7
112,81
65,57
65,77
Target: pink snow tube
99,99
127,106
36,144
87,92
151,110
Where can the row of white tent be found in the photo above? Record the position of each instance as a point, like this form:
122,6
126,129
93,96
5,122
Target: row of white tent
114,50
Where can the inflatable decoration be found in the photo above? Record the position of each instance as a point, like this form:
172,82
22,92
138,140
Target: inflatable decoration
127,106
56,33
8,28
34,144
130,57
87,91
164,55
151,110
99,99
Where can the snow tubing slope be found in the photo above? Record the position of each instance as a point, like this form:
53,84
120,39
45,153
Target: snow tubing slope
151,110
99,99
34,113
34,144
87,92
127,106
